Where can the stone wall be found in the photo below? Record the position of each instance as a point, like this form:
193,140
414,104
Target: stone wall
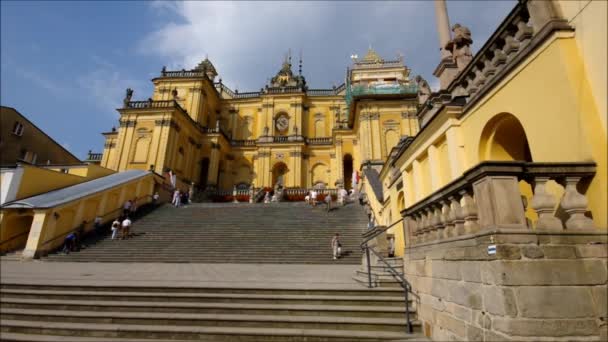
548,285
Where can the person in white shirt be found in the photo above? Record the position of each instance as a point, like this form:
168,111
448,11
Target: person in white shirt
177,198
342,196
126,226
313,197
155,198
115,228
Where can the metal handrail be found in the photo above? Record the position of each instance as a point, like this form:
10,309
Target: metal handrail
379,232
407,287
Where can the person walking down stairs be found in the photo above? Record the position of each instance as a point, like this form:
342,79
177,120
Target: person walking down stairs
115,228
176,198
336,246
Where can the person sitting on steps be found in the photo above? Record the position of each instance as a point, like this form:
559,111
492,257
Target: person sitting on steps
336,246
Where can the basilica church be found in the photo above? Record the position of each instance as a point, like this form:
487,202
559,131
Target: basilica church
210,136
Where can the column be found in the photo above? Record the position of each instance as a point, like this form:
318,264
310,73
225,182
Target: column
455,151
340,161
43,219
214,163
163,142
443,27
375,135
434,168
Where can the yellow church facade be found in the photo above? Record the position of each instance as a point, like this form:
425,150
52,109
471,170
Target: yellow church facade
207,134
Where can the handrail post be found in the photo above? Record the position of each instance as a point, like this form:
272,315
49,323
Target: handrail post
369,267
407,311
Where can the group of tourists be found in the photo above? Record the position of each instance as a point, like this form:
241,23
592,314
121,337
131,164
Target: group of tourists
180,198
312,196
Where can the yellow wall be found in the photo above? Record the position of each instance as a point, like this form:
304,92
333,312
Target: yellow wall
37,180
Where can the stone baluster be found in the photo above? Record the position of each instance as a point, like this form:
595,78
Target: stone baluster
456,216
500,59
544,205
480,79
469,211
427,219
524,33
488,70
511,47
473,78
433,222
446,219
575,204
438,218
418,228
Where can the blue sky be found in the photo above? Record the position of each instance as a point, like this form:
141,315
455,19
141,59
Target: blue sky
65,65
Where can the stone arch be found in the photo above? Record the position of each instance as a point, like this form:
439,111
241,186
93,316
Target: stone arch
320,174
279,171
391,138
400,201
347,167
504,138
319,128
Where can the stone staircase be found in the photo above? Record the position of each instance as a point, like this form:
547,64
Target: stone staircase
233,233
146,313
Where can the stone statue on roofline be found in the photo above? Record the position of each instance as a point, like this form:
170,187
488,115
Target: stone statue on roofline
424,90
127,98
460,46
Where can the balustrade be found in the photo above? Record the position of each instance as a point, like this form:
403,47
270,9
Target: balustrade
319,141
488,197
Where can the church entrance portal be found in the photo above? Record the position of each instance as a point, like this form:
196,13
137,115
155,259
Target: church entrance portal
348,171
279,171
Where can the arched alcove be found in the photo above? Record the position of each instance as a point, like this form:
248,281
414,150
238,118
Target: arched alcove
504,138
348,171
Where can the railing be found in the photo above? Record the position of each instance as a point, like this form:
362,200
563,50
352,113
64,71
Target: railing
382,64
280,139
488,197
384,89
281,90
184,73
243,142
153,104
398,276
517,36
94,157
319,141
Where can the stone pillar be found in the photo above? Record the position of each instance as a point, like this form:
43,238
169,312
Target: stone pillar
499,202
340,162
443,27
375,136
43,219
214,164
434,168
542,12
544,204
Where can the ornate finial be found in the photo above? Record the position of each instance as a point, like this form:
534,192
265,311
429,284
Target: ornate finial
300,64
459,46
163,71
289,53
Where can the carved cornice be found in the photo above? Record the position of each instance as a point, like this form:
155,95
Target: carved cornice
267,105
332,155
109,145
374,116
295,154
264,154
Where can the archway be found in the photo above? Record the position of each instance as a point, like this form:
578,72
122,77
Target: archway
504,138
320,175
279,170
204,173
347,163
391,140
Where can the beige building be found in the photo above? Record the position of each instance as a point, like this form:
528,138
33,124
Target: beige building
207,134
21,140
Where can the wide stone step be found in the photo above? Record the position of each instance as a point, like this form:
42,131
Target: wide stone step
17,337
196,332
198,319
204,297
210,308
261,290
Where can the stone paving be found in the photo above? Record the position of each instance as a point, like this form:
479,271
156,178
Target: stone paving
190,275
